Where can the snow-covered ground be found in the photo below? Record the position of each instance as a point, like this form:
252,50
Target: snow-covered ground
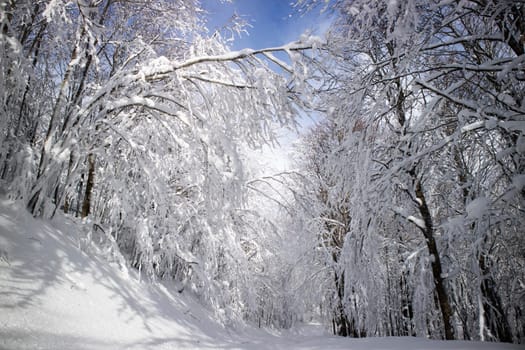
59,292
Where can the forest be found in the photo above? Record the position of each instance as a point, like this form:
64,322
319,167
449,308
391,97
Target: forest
403,215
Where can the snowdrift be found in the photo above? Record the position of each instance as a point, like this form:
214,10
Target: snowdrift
58,291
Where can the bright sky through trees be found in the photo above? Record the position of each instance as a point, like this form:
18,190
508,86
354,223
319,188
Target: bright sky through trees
269,23
272,22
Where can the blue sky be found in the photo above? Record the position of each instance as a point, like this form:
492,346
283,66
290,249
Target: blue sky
274,22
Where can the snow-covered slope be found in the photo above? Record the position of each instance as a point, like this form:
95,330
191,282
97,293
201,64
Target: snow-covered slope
54,295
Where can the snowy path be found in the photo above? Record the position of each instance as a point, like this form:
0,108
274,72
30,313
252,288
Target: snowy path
55,296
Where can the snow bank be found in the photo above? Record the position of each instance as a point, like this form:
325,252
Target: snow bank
54,295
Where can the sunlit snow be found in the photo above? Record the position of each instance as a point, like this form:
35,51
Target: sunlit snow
58,292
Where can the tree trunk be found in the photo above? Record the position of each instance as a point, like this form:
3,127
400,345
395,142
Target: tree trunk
342,325
86,205
428,232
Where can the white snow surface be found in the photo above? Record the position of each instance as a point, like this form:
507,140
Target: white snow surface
59,292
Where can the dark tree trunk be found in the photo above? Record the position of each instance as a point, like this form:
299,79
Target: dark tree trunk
342,326
86,205
428,232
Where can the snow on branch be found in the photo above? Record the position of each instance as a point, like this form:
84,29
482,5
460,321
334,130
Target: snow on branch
416,221
231,56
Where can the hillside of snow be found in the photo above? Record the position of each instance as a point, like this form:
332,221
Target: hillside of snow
57,291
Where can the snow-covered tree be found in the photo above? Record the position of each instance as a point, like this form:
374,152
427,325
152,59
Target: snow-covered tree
129,114
428,95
